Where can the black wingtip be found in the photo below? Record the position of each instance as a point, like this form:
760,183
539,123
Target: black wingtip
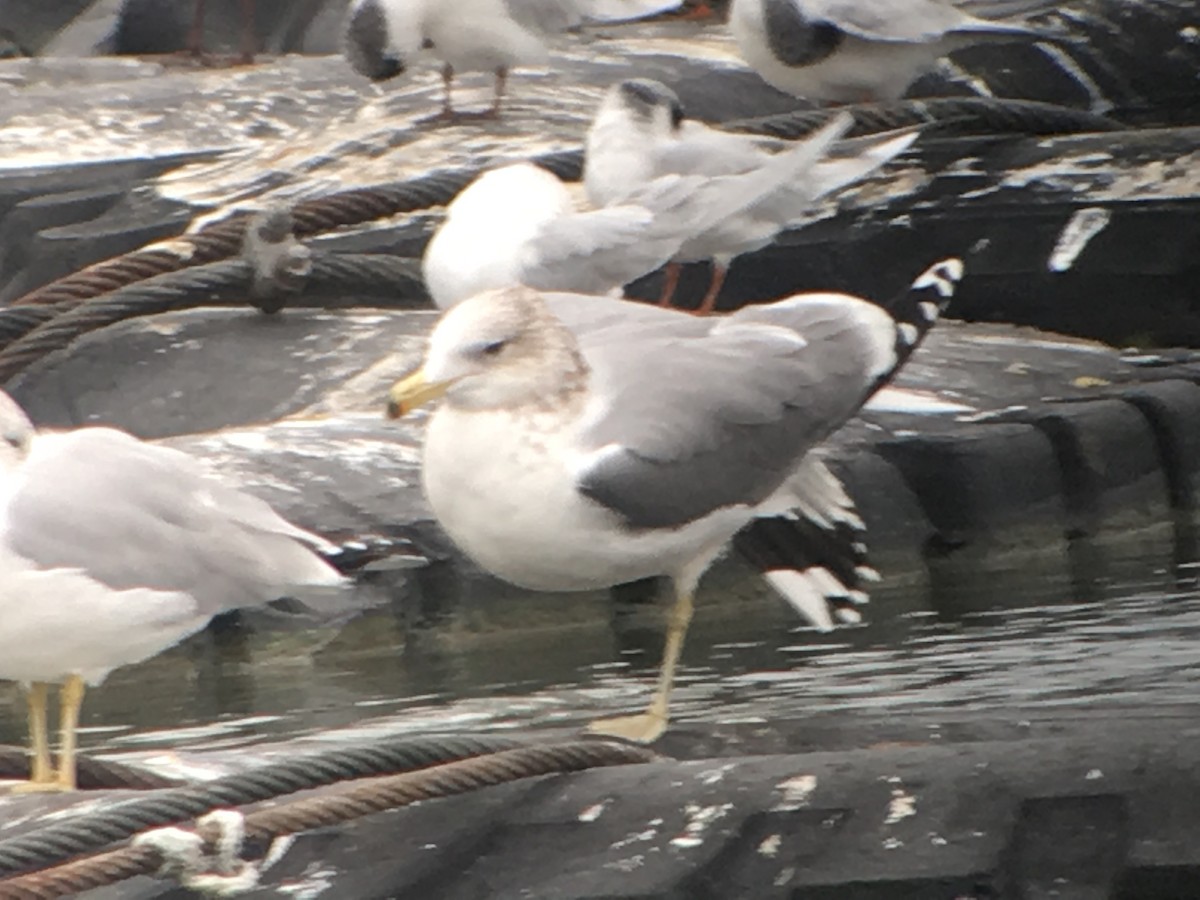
920,305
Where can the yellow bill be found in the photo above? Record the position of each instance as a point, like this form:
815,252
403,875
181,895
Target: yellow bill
412,391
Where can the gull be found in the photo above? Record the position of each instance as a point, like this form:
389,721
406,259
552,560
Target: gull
518,224
583,442
383,36
111,551
639,133
848,51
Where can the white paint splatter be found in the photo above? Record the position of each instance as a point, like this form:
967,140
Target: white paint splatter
796,792
699,819
593,812
770,845
901,806
713,776
1084,225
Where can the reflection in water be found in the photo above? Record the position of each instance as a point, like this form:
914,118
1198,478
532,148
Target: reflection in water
746,661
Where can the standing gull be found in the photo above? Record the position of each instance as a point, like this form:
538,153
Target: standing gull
383,36
113,550
639,134
518,224
584,442
850,51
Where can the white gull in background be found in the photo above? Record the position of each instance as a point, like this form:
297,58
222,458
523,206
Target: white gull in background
639,134
383,37
850,51
583,441
518,224
113,550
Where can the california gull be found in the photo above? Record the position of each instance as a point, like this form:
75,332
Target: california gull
519,224
639,134
113,550
584,441
849,51
384,36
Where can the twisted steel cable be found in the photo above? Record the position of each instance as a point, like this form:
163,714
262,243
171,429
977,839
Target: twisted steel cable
344,803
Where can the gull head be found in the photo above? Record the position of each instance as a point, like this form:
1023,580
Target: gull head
16,433
497,350
644,105
377,43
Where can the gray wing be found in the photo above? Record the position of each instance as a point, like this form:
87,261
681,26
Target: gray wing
702,150
695,415
596,251
147,516
910,21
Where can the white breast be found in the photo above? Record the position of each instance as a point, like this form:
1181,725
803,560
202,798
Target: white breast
523,519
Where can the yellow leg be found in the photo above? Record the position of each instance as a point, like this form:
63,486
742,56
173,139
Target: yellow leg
39,743
647,727
42,777
70,699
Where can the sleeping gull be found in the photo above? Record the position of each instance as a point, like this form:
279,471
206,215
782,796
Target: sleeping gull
112,551
849,51
383,36
518,224
639,134
584,441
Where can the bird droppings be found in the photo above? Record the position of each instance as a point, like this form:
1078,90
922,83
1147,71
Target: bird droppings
634,837
1084,225
892,844
699,819
901,806
593,812
770,845
628,864
1093,775
313,883
796,792
715,776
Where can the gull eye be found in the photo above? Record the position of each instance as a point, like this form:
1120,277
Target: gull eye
492,348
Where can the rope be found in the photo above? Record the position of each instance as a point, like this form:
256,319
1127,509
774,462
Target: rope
91,773
85,834
223,239
345,803
950,116
336,281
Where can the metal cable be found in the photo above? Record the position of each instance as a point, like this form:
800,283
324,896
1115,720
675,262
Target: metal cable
84,834
342,804
946,116
91,773
223,239
336,281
